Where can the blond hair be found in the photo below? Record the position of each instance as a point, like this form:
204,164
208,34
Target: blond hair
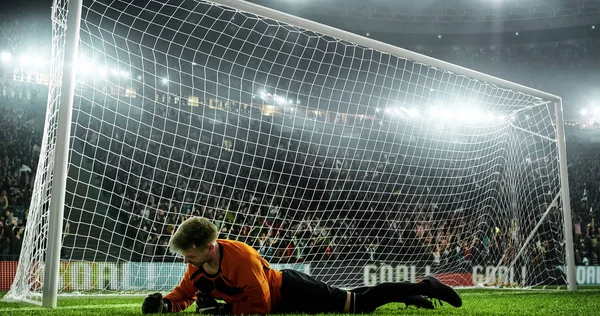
195,232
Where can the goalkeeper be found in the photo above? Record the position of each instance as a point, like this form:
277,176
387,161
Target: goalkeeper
234,272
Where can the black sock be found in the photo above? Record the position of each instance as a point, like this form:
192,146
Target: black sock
369,300
361,289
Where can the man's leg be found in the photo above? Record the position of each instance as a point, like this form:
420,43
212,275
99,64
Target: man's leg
412,300
381,294
302,294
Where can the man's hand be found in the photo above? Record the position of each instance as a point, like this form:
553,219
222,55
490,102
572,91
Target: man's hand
154,303
205,304
208,305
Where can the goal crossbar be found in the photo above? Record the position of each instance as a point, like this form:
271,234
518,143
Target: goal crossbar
379,46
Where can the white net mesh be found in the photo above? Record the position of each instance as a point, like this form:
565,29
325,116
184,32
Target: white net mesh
350,164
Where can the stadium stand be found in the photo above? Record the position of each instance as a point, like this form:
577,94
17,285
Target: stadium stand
150,215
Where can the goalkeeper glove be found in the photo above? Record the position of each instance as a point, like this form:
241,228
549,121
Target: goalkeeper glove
208,305
155,303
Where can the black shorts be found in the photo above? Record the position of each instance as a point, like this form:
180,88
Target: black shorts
300,293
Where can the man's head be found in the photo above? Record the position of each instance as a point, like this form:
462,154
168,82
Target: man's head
195,240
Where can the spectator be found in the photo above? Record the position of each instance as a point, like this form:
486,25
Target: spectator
10,232
4,201
16,244
2,237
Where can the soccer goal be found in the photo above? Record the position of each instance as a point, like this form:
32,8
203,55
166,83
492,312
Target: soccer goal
332,153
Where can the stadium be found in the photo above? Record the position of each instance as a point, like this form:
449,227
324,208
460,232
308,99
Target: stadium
358,142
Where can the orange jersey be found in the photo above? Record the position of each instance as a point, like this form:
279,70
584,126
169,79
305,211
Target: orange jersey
245,280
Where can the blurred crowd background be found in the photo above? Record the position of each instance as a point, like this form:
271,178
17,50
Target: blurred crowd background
278,192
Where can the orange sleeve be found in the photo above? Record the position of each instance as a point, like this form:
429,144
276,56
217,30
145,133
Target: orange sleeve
184,294
255,284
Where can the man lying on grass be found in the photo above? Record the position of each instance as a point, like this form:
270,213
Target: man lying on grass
234,272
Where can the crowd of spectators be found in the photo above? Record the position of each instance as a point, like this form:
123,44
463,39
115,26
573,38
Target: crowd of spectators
14,92
299,200
584,184
21,134
21,122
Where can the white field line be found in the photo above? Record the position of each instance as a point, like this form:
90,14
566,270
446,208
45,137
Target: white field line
513,292
39,308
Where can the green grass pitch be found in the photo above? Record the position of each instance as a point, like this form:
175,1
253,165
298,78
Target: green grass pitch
586,301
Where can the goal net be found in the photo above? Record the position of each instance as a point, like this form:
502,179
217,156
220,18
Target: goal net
337,155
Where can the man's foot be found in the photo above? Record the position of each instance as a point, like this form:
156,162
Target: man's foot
418,301
442,292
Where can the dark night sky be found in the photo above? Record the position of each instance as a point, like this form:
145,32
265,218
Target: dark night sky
37,7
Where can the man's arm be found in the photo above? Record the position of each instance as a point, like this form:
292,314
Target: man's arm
256,286
183,295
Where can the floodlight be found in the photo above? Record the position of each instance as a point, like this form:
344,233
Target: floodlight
37,61
24,59
5,56
102,73
412,113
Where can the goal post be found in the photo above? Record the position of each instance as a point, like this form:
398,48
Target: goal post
59,163
327,151
51,182
566,197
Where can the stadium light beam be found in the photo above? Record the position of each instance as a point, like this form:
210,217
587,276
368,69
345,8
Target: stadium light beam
24,59
278,99
85,67
409,112
413,113
5,57
102,73
37,61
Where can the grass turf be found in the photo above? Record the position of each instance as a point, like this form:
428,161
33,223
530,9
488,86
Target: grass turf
475,302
